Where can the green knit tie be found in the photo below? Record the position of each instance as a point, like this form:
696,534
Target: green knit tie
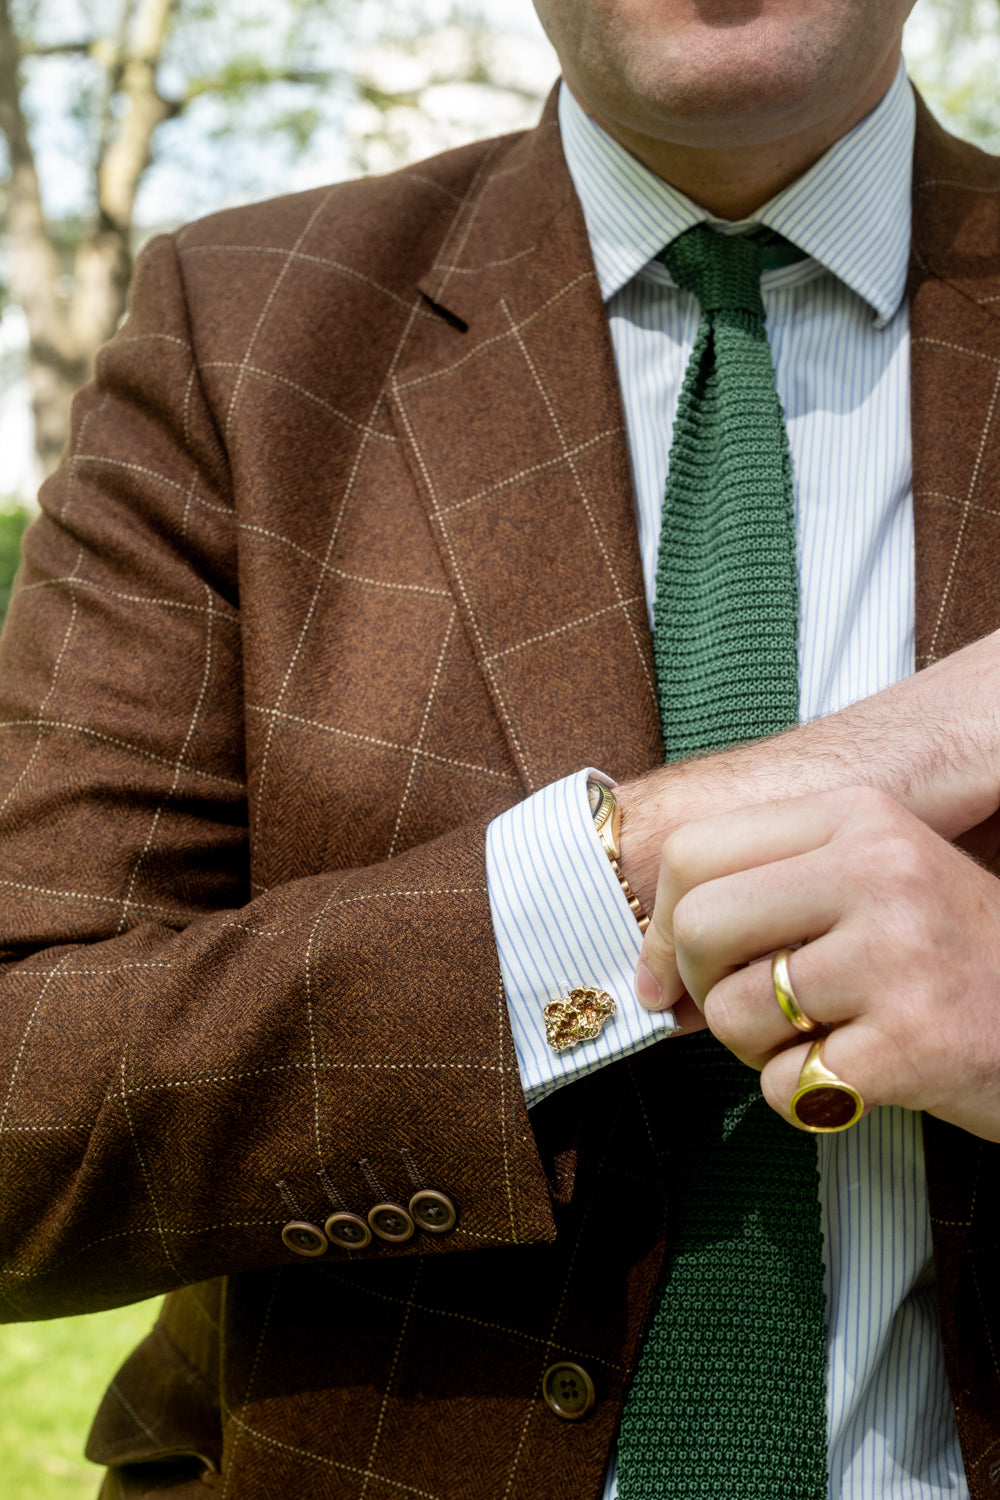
728,1401
726,619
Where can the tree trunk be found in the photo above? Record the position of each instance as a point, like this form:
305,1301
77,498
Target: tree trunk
65,333
55,361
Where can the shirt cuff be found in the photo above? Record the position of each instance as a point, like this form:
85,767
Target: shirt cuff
561,921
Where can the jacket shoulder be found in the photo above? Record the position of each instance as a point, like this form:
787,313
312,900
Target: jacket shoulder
395,220
956,208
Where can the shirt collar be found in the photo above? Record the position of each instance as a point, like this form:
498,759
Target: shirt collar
850,211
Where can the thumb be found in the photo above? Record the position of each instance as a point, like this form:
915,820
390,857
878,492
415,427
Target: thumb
658,985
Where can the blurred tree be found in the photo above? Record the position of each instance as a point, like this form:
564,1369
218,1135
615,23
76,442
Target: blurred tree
91,93
431,87
128,75
953,53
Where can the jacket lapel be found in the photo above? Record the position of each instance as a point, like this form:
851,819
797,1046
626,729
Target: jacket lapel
954,302
509,411
954,306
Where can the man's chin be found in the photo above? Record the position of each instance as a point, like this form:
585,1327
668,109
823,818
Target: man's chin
725,121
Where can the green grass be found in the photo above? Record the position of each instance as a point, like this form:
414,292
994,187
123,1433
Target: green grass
13,519
52,1377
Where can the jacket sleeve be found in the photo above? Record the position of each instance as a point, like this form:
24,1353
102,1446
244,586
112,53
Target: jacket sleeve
189,1060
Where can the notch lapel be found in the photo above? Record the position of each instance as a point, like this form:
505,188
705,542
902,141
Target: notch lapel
509,411
954,293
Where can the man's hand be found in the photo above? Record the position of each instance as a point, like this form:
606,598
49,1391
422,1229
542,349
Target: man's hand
932,742
901,949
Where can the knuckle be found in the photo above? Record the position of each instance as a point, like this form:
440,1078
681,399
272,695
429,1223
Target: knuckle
722,1017
689,923
657,944
677,855
871,804
903,863
889,861
771,1090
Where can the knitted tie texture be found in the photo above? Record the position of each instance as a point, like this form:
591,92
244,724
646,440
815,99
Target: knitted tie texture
726,617
728,1401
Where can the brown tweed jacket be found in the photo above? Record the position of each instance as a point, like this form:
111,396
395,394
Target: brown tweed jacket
341,563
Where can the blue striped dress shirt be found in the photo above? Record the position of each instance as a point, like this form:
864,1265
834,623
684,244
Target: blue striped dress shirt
839,333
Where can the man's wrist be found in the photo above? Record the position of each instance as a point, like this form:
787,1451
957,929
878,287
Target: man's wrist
931,741
669,796
650,810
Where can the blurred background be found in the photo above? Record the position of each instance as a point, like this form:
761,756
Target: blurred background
119,118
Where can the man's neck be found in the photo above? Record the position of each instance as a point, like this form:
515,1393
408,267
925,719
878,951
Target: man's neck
733,181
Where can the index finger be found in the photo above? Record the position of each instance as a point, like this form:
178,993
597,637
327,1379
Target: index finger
729,844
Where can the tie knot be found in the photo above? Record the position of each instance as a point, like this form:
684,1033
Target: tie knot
723,270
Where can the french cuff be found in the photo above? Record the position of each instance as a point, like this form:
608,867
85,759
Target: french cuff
562,923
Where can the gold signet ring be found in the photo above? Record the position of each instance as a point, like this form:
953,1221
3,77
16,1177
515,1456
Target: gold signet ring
785,995
824,1103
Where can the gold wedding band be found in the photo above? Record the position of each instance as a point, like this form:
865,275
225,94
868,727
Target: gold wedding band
824,1103
785,995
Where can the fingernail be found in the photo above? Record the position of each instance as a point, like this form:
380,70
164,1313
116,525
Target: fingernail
647,990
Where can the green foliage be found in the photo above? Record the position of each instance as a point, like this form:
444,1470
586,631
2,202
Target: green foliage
298,126
12,524
236,77
52,1376
255,79
952,49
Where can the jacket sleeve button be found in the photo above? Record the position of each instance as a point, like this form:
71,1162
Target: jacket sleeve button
391,1222
347,1231
303,1238
568,1391
433,1211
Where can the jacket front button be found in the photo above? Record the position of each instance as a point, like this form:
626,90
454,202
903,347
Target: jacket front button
433,1211
303,1238
568,1390
347,1231
391,1222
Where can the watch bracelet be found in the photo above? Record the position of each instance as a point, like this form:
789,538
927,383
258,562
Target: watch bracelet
610,845
630,896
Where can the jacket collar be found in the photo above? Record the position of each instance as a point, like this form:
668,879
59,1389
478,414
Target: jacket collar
850,213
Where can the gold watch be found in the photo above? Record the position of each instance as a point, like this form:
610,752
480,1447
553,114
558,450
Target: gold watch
607,817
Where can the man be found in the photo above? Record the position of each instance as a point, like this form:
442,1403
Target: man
342,565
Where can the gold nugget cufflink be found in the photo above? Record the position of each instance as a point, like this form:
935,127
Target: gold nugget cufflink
577,1017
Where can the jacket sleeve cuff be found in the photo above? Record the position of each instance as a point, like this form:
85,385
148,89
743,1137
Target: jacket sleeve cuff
561,920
